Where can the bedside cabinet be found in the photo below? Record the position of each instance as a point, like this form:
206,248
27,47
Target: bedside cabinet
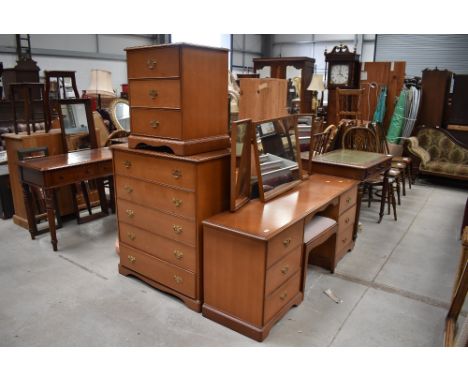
161,200
178,97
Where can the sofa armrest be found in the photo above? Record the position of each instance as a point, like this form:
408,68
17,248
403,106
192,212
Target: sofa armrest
418,151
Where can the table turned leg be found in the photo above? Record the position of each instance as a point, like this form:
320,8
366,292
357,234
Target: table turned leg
32,226
49,200
358,209
384,196
102,196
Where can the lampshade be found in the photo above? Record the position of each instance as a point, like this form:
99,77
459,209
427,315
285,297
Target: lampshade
101,84
317,83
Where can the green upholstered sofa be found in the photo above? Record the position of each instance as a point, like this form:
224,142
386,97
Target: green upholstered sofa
439,153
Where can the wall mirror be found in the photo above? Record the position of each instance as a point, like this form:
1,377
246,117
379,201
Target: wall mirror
119,110
277,156
76,122
240,163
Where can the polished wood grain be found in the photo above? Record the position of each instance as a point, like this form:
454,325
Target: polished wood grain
282,296
174,252
196,86
287,266
348,200
162,200
164,123
346,219
285,241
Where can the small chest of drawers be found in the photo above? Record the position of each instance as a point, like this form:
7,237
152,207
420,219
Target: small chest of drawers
161,201
178,97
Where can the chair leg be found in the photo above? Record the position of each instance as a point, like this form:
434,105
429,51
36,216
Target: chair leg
398,190
369,192
409,174
403,180
84,191
389,198
394,205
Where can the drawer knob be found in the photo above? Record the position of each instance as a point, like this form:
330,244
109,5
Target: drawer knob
346,220
177,202
127,164
153,93
178,279
178,254
151,63
286,242
285,270
132,259
176,174
154,124
131,236
128,189
348,199
177,229
283,296
130,213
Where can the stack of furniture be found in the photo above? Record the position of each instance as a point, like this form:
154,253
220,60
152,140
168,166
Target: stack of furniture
179,105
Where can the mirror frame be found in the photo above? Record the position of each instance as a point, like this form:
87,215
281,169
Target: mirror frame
89,117
266,196
240,197
113,115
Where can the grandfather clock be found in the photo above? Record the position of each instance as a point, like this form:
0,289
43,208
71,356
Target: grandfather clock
342,71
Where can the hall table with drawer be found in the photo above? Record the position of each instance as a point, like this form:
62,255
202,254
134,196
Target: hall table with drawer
62,170
353,164
253,262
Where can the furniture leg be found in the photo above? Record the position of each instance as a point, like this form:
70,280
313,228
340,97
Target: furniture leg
57,211
84,191
112,193
403,181
394,204
358,210
102,196
75,203
389,200
398,191
32,226
384,195
49,199
370,195
409,175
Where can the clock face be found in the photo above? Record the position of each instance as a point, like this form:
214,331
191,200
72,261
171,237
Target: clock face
339,74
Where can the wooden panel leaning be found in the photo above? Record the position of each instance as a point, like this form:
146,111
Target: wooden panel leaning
178,97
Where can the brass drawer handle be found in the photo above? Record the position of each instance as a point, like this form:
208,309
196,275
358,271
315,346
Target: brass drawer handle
132,259
127,164
178,254
178,279
153,93
130,213
348,199
154,124
286,242
285,270
131,236
128,189
283,296
177,229
177,202
151,63
176,174
346,220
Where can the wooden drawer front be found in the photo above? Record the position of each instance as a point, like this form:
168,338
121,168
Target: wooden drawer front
106,168
167,171
156,123
155,93
284,242
346,220
160,271
171,251
156,196
79,173
283,269
162,224
149,63
281,296
348,199
343,238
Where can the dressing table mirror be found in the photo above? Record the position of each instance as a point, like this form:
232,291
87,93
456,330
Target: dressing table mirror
119,110
76,122
277,156
240,163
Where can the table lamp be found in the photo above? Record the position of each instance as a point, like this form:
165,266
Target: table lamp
316,85
101,85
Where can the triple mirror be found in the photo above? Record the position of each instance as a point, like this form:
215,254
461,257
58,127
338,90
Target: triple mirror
277,156
77,124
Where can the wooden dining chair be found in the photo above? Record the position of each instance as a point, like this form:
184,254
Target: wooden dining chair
364,139
348,104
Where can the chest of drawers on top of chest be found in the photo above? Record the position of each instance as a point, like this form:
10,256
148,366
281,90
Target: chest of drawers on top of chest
178,97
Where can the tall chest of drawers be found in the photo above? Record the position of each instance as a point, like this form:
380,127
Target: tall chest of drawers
161,201
178,97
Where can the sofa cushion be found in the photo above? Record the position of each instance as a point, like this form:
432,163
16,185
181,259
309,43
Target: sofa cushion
442,148
444,167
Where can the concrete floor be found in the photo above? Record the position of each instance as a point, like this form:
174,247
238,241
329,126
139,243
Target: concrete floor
395,286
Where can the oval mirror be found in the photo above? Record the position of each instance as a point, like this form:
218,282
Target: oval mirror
119,111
